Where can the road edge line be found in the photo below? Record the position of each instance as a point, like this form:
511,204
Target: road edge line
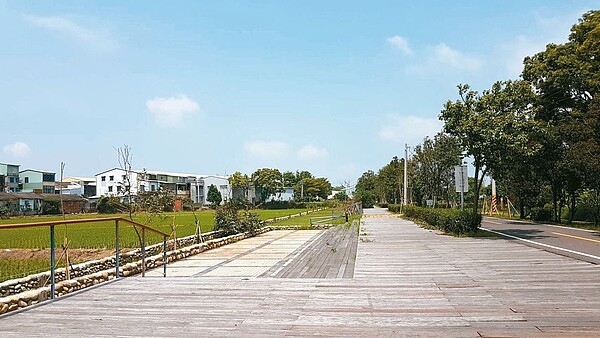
542,244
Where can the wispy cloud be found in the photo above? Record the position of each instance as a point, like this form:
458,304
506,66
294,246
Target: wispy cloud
400,43
547,30
311,153
96,39
409,129
443,54
267,150
171,111
17,149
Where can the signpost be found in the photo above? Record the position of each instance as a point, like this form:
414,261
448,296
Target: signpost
461,181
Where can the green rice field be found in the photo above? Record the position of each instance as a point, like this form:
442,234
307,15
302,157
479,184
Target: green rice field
101,234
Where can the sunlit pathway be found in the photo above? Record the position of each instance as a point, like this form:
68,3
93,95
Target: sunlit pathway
248,258
407,282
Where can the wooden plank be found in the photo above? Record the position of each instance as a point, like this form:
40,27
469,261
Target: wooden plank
407,282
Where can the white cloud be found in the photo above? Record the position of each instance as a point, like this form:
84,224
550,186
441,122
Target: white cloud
547,30
409,129
17,149
267,150
171,111
400,43
311,153
92,38
443,54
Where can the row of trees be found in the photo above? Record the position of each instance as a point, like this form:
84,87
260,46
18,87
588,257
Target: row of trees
268,181
537,136
430,174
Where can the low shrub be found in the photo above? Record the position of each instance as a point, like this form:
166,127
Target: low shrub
229,221
382,205
4,212
542,214
452,221
278,205
395,207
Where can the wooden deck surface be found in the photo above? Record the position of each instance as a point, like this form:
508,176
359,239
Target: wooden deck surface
406,282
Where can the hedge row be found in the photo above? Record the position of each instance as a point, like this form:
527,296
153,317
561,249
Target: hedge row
450,221
395,207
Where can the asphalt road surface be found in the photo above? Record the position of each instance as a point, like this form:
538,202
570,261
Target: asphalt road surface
580,244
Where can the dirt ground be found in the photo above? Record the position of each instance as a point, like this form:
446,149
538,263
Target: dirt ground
75,255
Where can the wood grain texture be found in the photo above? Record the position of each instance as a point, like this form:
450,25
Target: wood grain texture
407,281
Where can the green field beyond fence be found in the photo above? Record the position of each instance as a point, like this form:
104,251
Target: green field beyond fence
102,234
98,235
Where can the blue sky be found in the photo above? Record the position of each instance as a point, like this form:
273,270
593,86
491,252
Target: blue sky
333,87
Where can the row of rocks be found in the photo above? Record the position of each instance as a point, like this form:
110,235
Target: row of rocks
36,281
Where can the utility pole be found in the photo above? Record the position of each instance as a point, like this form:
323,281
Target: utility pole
405,197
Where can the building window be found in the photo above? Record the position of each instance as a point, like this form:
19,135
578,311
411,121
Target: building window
124,177
111,178
11,180
47,177
119,188
26,179
110,189
48,190
103,178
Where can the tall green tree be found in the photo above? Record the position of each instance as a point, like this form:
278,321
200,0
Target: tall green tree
366,189
214,195
267,182
390,181
566,78
433,163
239,181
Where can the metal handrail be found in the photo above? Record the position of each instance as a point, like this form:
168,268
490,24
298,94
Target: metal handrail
52,224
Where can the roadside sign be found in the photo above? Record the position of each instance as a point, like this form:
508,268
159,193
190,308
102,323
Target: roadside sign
461,178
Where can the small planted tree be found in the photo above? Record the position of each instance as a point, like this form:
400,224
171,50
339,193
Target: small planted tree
214,196
229,220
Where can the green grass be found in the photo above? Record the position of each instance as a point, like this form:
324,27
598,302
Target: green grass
17,268
99,234
102,234
304,221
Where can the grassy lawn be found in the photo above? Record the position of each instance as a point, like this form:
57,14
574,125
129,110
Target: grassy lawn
304,221
102,234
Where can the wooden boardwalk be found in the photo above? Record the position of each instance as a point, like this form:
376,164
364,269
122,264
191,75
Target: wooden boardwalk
406,282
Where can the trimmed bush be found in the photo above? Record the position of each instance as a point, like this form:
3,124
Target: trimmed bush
541,214
395,207
452,221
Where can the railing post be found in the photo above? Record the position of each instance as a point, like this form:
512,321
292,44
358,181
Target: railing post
164,256
52,263
117,249
143,252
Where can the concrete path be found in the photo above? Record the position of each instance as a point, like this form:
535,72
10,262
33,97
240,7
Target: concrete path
407,282
248,258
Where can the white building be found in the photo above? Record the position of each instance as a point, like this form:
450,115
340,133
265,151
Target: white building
113,182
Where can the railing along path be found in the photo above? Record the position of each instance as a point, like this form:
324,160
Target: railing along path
52,224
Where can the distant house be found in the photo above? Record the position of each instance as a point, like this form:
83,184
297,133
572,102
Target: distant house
114,182
33,204
37,181
22,203
9,177
287,194
82,186
72,204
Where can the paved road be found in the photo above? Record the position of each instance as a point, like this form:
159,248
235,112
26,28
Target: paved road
571,242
